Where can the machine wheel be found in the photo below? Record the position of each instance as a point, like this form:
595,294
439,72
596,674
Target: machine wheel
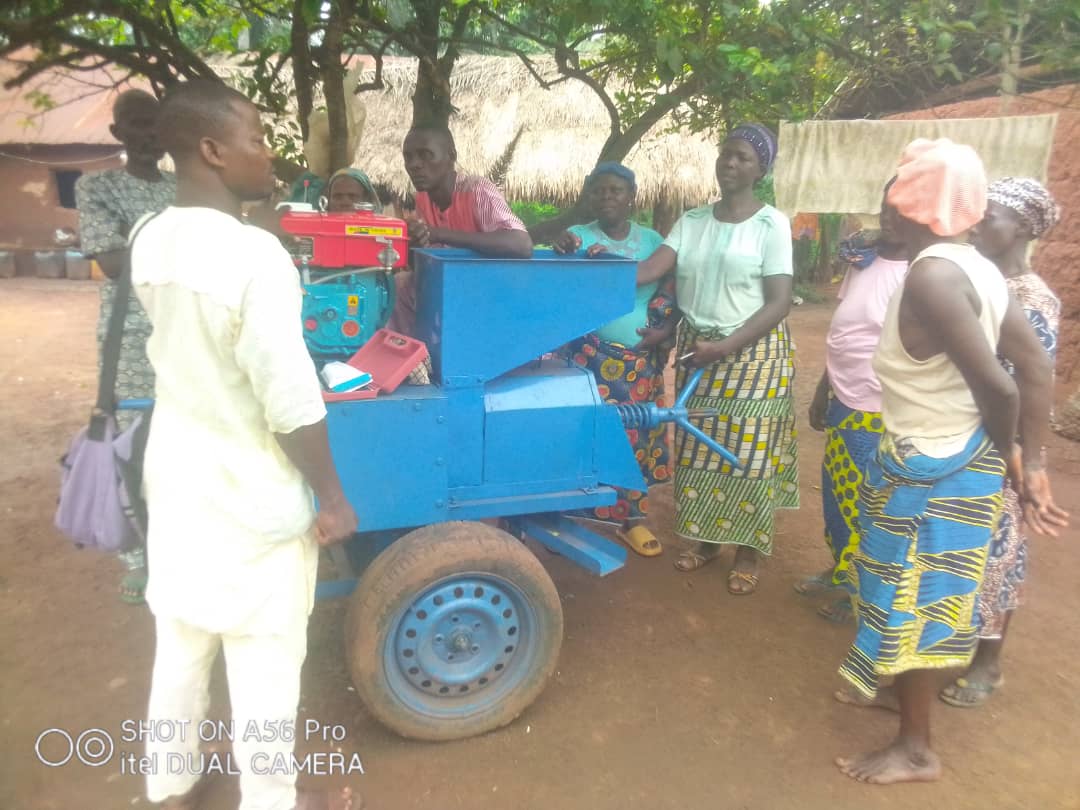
452,631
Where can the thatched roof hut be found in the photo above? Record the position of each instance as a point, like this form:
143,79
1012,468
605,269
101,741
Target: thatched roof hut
544,140
540,142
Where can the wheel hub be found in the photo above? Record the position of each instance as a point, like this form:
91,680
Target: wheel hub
458,637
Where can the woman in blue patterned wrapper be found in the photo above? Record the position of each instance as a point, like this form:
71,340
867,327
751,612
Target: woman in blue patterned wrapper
626,356
110,203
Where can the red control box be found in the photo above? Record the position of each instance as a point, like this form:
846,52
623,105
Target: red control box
355,239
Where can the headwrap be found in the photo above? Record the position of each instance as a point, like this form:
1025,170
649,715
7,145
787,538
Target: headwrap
940,184
1029,199
360,178
617,169
762,139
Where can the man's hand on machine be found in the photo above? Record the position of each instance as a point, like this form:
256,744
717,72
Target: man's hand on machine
335,522
419,231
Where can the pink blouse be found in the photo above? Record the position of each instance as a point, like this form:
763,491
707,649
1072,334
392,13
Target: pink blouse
855,330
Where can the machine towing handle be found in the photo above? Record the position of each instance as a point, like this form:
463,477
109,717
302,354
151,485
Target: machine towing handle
649,415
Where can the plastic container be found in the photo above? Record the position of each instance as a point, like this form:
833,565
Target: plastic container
78,266
49,264
389,358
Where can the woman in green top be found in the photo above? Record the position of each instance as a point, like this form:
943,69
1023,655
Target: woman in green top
627,369
733,275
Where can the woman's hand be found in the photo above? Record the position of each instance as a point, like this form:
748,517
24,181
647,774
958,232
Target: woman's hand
707,352
1040,512
566,242
819,405
651,337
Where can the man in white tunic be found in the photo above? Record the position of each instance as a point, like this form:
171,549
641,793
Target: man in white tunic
238,446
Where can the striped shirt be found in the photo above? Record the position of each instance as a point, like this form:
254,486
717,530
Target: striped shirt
476,206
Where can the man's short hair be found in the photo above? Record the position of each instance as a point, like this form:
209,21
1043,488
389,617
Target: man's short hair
439,130
129,101
191,111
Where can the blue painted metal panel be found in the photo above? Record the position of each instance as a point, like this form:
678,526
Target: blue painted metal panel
573,541
482,317
391,454
539,423
466,420
551,501
616,464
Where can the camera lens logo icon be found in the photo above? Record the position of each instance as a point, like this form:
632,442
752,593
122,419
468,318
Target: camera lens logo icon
93,747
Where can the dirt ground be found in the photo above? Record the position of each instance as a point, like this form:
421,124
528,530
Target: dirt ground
669,693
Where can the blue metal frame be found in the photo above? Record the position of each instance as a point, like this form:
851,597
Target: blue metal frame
498,434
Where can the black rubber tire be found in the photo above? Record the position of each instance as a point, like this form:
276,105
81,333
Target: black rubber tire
400,575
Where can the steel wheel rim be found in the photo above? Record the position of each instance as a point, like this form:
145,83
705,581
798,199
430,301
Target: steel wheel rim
461,646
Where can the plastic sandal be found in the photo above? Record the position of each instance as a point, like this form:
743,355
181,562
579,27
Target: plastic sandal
641,540
741,576
963,694
817,585
691,560
133,587
838,612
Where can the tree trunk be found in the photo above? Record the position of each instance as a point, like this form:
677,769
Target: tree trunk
333,76
543,232
617,147
1011,58
665,214
431,101
302,78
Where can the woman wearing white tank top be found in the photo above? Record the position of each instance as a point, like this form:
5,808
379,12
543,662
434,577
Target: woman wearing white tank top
932,494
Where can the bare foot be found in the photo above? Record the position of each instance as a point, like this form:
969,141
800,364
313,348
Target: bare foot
885,699
903,761
321,800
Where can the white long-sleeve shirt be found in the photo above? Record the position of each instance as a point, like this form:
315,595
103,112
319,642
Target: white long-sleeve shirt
230,546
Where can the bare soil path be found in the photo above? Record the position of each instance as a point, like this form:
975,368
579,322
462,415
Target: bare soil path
669,694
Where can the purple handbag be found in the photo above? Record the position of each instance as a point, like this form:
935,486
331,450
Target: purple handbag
91,510
100,503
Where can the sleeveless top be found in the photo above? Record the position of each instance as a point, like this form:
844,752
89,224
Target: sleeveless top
927,403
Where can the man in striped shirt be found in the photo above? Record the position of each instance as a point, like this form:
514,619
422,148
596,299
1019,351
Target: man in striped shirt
453,209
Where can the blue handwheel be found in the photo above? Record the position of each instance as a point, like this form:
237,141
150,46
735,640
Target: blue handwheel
452,631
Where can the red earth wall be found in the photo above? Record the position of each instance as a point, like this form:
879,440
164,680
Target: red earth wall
1056,257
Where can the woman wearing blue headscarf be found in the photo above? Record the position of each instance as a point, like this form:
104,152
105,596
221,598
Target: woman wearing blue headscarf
626,369
733,278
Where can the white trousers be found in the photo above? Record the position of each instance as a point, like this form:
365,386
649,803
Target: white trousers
264,689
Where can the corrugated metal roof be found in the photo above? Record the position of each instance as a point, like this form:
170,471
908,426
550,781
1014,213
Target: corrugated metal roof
81,104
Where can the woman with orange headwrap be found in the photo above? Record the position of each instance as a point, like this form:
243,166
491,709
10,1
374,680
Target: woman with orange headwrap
932,494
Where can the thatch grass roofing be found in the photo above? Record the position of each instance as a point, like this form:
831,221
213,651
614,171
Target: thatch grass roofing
559,133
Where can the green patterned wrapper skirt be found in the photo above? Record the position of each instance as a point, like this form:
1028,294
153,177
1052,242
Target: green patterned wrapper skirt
753,393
